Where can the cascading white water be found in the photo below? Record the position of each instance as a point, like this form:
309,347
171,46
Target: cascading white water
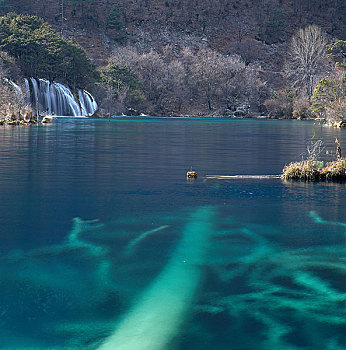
54,98
34,97
65,101
87,102
27,90
17,88
44,95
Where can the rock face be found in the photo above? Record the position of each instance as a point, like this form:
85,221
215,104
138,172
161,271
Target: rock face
230,26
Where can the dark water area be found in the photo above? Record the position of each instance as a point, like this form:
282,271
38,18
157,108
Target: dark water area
99,226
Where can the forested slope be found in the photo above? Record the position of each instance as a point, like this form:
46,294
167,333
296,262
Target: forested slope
201,56
225,25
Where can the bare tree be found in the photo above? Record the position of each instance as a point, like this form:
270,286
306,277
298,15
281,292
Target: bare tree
306,58
242,28
207,74
178,87
232,69
191,80
254,89
126,56
152,71
222,81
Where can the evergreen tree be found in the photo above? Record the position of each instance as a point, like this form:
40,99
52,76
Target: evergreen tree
329,97
122,86
329,94
42,53
115,25
337,51
118,77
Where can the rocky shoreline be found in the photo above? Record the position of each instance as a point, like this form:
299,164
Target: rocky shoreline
30,119
27,119
331,123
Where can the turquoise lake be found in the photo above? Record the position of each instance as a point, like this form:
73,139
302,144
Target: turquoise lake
104,243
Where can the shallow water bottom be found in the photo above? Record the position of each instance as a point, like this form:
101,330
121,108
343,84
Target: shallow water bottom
256,290
104,239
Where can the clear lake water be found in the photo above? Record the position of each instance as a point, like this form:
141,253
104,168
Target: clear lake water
101,234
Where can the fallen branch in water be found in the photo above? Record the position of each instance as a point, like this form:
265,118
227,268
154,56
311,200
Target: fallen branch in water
231,177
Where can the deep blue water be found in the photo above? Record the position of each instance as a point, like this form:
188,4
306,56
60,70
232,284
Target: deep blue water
270,273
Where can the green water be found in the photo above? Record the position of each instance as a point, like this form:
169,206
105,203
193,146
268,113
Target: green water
101,233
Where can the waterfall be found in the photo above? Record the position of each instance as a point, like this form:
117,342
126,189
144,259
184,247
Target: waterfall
87,102
16,87
54,98
34,96
27,90
18,90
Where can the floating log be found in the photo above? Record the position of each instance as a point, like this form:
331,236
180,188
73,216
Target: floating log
232,177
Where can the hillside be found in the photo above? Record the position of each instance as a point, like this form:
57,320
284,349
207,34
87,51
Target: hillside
257,29
196,56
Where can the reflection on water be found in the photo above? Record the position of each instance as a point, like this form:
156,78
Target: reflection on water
162,263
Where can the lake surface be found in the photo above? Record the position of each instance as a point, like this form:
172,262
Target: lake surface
104,241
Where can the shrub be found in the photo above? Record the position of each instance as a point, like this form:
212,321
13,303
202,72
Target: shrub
281,104
301,108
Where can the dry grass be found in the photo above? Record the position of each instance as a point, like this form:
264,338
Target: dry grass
308,171
335,170
304,170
